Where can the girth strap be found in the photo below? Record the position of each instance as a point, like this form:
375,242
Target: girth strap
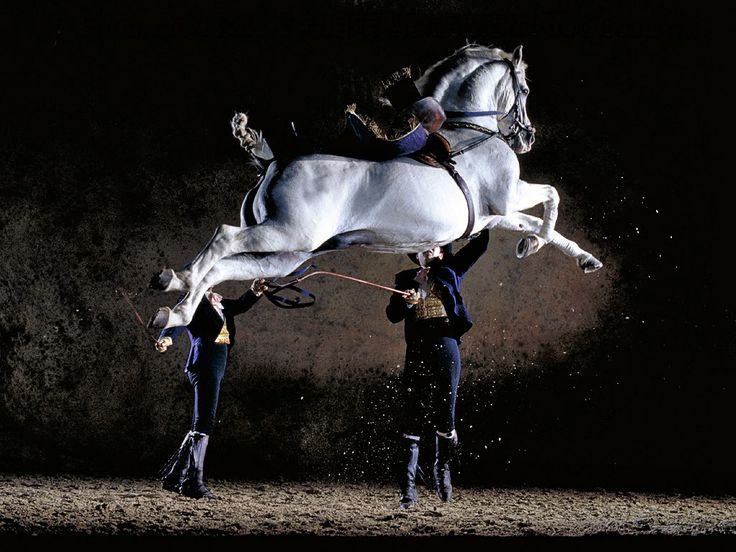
468,198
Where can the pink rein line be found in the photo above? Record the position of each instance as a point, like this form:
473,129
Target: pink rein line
344,277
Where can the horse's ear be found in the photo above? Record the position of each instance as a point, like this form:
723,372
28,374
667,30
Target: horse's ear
516,56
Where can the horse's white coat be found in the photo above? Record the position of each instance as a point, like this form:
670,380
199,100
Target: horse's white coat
321,202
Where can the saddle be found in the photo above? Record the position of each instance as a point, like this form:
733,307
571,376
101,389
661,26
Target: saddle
437,152
422,142
404,134
369,139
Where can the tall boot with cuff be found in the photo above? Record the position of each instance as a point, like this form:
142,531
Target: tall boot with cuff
445,448
410,458
194,486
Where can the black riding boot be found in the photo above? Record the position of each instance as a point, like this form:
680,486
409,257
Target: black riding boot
410,457
174,473
194,486
445,446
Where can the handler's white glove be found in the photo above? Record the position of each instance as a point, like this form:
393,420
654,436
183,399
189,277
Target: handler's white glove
412,298
258,286
163,344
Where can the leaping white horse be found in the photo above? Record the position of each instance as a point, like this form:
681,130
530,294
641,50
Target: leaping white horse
319,203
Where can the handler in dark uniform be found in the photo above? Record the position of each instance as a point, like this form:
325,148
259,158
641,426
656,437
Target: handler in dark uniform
211,334
435,319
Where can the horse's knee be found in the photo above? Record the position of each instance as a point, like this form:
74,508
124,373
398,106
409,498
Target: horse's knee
226,232
171,281
553,196
225,239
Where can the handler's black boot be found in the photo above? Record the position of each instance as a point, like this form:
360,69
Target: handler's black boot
410,457
194,486
175,471
445,446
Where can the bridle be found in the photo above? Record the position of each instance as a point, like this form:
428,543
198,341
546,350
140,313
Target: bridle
517,125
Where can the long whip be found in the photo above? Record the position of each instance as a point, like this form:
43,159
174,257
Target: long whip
138,316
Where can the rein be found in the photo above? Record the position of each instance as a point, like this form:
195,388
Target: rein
297,303
472,126
461,114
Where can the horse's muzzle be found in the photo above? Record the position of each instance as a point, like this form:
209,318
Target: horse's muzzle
523,140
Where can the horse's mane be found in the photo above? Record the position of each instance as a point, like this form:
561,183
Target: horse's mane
435,73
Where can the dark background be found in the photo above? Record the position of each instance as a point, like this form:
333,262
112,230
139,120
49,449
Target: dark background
116,159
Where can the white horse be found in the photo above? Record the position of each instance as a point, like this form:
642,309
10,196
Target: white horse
319,203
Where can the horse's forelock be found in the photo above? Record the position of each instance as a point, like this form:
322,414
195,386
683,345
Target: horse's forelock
490,53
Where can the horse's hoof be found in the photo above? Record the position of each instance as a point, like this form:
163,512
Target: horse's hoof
165,280
160,280
160,319
528,246
591,264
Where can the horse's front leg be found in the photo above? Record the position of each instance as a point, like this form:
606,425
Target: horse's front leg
235,268
521,222
529,195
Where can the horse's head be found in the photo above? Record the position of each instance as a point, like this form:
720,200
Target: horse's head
515,125
486,86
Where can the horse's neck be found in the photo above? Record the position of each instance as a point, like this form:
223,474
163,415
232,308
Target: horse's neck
474,88
430,84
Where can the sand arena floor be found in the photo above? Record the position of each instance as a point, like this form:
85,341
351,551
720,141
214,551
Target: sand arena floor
73,506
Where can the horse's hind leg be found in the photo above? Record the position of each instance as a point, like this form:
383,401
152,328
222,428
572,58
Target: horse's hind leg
521,222
527,196
267,237
236,267
169,280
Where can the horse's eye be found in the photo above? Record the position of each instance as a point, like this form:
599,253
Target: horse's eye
525,91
